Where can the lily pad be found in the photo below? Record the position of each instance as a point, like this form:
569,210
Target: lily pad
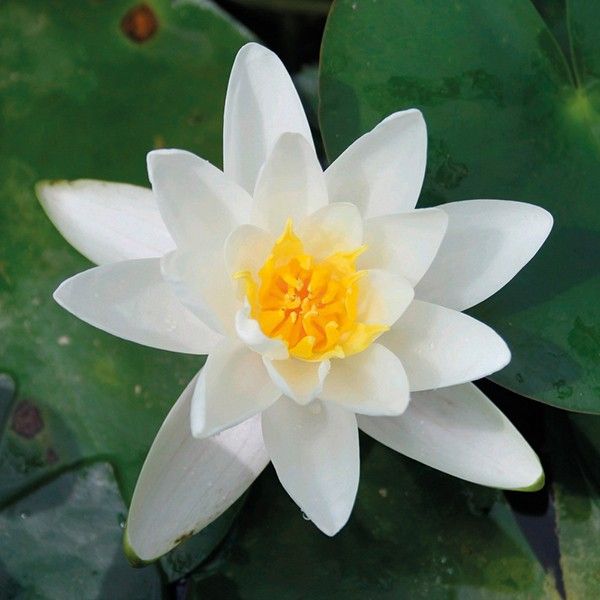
87,90
64,541
511,113
414,533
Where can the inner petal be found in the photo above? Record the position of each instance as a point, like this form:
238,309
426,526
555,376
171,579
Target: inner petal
308,303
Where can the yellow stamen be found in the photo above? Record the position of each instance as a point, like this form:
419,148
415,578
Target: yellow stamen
311,305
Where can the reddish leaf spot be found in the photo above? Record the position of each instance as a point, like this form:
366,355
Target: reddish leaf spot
27,420
139,23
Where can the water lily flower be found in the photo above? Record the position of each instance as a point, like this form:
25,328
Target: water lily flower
325,302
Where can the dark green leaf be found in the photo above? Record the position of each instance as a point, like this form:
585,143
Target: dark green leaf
509,116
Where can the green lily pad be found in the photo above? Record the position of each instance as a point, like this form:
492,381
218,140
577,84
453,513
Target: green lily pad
511,113
87,90
64,541
414,533
576,495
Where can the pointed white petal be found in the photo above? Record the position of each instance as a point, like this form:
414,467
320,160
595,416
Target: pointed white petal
233,386
247,248
291,185
404,244
459,431
199,205
372,382
314,450
261,104
383,297
382,172
300,380
487,243
203,285
131,300
186,483
334,228
440,347
249,331
106,222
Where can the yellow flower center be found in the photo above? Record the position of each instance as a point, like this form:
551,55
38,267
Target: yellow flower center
309,304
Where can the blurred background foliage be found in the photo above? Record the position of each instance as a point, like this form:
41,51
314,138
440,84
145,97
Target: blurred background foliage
511,95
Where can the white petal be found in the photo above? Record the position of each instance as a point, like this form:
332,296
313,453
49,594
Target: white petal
186,483
459,431
382,172
300,380
203,285
233,386
440,347
106,222
314,450
487,243
131,300
249,331
247,248
383,297
261,104
405,244
290,186
372,382
199,205
334,228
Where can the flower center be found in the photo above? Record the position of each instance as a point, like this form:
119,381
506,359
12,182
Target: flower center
311,305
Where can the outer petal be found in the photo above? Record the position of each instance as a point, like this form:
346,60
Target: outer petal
299,380
291,184
130,299
203,285
440,347
334,228
261,104
382,172
199,205
404,244
314,450
186,483
233,386
372,382
459,431
106,222
487,243
383,297
249,331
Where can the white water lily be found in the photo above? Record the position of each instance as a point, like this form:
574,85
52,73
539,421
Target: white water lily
324,300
